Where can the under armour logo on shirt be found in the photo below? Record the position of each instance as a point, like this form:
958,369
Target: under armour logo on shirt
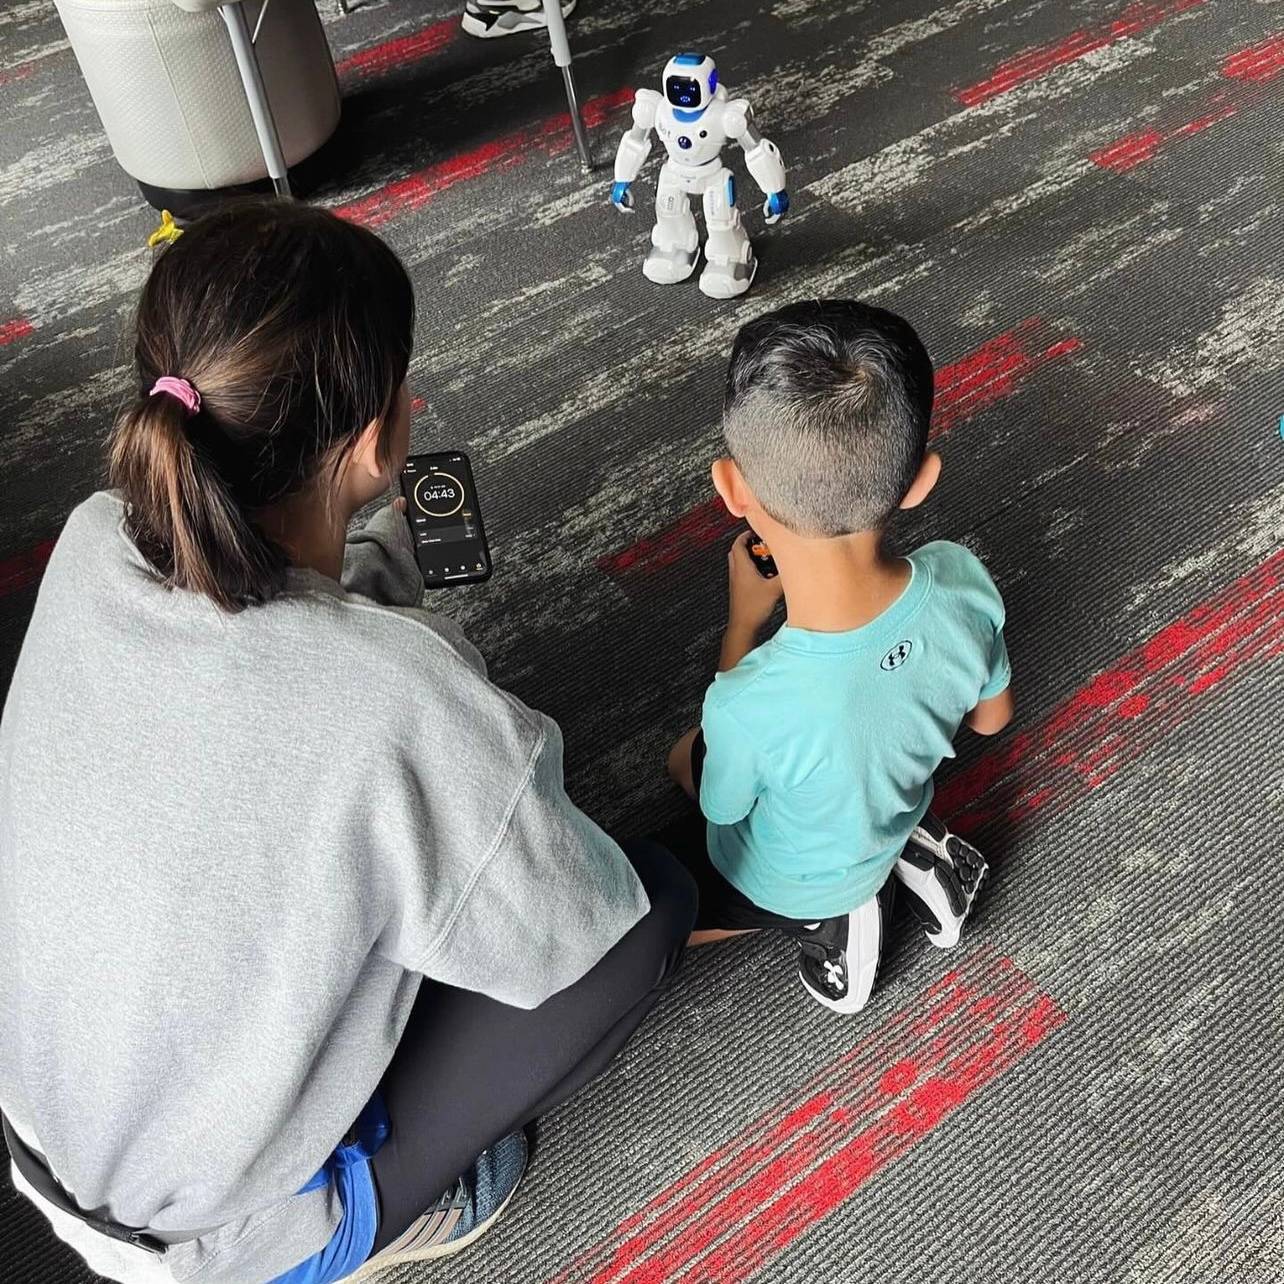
897,655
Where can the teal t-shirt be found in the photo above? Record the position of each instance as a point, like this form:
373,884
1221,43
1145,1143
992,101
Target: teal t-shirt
820,747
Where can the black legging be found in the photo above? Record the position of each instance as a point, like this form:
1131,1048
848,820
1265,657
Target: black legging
469,1070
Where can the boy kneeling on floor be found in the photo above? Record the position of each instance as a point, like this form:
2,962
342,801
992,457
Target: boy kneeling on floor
814,759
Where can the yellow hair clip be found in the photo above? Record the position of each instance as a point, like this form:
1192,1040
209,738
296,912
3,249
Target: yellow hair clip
167,233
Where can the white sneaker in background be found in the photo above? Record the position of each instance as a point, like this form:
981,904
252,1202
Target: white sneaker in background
487,19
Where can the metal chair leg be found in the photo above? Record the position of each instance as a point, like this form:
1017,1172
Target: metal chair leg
238,29
562,57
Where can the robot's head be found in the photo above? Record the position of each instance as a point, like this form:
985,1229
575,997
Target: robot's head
690,81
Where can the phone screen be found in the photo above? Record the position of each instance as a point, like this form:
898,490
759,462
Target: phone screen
445,519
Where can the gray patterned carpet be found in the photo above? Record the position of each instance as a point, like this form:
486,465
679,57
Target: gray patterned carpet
1079,203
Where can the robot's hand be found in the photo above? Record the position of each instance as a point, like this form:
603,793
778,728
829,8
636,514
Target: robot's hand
622,198
776,206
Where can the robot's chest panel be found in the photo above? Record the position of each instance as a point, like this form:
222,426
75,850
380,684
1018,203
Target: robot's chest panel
691,142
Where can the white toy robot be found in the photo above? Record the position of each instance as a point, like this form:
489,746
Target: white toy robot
694,119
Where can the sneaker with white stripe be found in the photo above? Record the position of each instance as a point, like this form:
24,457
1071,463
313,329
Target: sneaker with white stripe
487,19
464,1213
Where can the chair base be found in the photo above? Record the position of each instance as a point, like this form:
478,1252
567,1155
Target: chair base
190,203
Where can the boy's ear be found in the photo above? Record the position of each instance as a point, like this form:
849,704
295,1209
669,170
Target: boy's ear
921,487
729,482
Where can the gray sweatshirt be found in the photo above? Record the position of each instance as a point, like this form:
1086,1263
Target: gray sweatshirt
230,846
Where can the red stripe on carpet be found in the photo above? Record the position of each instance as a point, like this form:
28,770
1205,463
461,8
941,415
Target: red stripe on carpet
1258,64
24,569
1135,149
11,331
963,388
402,51
692,531
1126,708
1037,62
416,190
1130,151
736,1210
993,371
717,1171
20,71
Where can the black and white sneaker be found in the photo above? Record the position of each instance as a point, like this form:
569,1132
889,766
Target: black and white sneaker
838,957
489,18
941,875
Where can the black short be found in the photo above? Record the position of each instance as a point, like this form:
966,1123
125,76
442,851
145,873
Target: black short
722,905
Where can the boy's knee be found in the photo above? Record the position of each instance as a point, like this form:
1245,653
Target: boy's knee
674,761
679,761
670,889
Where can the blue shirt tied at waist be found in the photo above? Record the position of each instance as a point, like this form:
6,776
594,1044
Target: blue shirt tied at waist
349,1168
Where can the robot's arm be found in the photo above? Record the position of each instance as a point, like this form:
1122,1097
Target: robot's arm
634,148
762,156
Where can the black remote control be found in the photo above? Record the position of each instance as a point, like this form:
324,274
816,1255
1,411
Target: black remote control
761,556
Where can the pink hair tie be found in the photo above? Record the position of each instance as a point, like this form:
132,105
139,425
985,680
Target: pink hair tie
180,390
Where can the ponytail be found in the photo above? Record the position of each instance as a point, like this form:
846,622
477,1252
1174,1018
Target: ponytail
181,512
268,338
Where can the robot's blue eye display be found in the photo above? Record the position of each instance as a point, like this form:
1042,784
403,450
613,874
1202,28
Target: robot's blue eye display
682,91
684,142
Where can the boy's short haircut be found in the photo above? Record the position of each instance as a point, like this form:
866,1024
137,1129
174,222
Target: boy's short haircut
826,413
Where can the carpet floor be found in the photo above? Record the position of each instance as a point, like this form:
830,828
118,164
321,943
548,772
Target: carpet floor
1078,202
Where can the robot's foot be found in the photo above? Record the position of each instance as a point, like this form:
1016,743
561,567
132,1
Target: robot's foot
723,280
668,267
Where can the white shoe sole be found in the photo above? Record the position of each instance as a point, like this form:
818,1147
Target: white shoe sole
929,901
436,1251
528,20
864,950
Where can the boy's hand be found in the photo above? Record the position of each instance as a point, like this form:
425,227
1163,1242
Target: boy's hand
751,598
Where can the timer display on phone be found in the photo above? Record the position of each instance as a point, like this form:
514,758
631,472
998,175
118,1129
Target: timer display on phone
445,519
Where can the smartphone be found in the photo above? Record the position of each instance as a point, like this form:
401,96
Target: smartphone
760,556
445,519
